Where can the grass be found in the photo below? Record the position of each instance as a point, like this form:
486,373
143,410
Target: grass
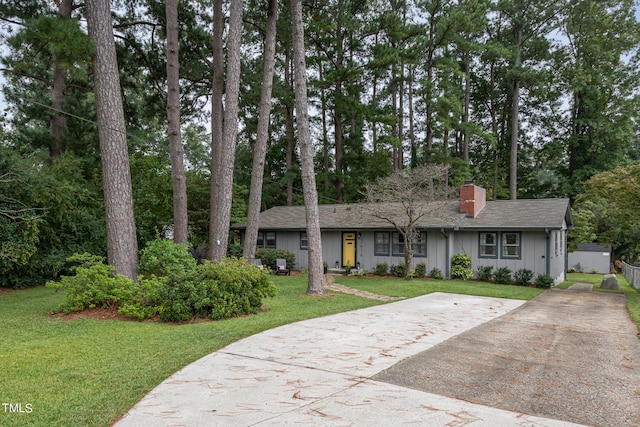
412,288
90,372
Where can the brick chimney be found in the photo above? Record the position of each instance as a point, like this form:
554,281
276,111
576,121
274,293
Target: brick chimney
472,199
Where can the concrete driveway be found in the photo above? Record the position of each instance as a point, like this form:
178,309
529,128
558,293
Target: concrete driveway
440,359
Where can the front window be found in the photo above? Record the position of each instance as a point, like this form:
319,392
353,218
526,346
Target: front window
419,244
304,242
488,245
381,243
398,244
266,239
511,245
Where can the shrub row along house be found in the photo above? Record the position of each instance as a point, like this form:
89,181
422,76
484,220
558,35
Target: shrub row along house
517,234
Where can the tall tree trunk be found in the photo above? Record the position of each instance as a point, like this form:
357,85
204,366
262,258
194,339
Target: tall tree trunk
122,245
217,114
412,134
59,94
338,136
515,115
260,147
316,277
176,153
467,103
289,132
221,211
325,132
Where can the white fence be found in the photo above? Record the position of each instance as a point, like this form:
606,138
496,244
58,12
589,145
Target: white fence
632,274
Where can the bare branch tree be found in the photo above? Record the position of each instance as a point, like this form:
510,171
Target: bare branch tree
404,198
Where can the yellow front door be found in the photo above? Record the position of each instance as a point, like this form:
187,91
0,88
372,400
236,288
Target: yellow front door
349,249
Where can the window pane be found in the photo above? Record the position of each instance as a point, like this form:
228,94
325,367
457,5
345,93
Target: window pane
270,239
381,246
419,244
398,244
260,242
488,244
304,243
511,244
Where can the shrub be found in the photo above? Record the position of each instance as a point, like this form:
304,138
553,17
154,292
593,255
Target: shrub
269,256
92,285
436,273
523,277
398,270
382,269
544,281
421,269
485,272
234,251
215,290
460,264
145,299
503,276
163,257
461,273
462,260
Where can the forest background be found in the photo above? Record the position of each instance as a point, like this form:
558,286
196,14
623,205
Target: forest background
530,99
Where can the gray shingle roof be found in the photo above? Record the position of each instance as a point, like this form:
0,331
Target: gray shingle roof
503,214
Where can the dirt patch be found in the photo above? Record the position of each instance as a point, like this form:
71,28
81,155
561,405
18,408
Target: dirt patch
5,290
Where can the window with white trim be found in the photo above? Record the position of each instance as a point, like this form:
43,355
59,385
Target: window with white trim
304,242
489,245
510,245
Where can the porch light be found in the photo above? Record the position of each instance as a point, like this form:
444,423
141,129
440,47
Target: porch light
337,264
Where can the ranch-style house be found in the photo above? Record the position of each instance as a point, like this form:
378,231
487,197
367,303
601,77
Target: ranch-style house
525,233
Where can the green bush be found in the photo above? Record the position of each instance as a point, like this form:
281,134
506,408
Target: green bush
523,277
382,269
398,270
234,250
460,264
92,285
269,256
461,273
214,290
421,269
544,281
503,276
145,298
163,257
436,273
485,272
462,260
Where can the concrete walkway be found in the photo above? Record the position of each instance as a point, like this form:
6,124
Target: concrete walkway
330,371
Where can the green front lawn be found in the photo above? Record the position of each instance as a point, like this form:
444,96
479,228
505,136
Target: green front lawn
90,372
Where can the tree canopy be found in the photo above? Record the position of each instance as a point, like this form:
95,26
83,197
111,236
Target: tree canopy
530,99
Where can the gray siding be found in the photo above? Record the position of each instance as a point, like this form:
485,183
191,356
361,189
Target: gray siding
540,253
587,262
